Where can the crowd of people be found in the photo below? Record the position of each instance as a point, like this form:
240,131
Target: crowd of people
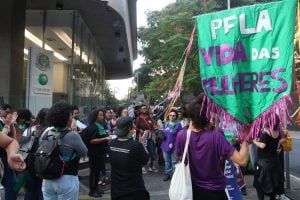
133,146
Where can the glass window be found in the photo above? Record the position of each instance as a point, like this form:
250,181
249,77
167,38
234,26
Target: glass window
58,37
78,71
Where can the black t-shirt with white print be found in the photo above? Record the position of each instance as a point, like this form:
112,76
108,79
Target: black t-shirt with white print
127,159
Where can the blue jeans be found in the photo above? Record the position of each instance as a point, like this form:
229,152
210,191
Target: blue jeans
151,150
9,180
63,188
170,161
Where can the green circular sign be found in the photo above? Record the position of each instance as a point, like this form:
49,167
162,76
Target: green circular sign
43,79
42,61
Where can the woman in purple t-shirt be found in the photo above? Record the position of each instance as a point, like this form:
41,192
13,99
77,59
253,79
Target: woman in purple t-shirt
171,128
206,147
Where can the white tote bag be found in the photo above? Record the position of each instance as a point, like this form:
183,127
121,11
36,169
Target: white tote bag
181,184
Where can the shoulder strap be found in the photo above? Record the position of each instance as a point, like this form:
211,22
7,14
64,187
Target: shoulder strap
63,134
60,136
45,135
187,141
39,131
30,132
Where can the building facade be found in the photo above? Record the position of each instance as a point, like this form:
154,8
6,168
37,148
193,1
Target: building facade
92,41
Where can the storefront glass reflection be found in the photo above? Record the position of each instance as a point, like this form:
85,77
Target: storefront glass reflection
77,67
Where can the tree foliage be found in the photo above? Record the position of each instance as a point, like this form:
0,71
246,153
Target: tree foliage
163,42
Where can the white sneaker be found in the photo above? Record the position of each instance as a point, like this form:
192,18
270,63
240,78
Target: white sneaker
144,170
152,169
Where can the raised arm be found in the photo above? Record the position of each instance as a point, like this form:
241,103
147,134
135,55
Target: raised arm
11,146
241,157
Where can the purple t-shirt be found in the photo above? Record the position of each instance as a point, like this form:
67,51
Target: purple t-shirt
205,150
170,133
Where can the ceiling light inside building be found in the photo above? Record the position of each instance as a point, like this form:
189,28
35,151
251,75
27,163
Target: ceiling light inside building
68,41
39,42
63,36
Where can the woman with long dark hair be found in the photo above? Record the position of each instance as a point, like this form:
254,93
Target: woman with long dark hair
33,183
206,147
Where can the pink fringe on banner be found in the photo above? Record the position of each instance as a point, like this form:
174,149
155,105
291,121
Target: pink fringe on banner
267,118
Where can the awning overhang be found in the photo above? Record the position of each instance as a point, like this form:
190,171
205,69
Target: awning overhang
113,25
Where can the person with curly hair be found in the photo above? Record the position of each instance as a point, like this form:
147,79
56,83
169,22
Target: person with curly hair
71,148
97,139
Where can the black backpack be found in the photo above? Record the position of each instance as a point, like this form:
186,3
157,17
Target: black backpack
34,140
48,162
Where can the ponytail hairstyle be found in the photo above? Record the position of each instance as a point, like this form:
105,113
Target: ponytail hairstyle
197,113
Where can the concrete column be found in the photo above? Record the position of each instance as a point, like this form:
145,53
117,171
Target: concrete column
12,21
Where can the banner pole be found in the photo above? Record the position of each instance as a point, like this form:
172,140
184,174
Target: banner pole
228,4
287,154
287,161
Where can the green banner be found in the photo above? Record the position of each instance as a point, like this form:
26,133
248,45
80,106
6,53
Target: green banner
246,57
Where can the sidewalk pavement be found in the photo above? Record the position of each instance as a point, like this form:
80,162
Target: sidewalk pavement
158,189
294,191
